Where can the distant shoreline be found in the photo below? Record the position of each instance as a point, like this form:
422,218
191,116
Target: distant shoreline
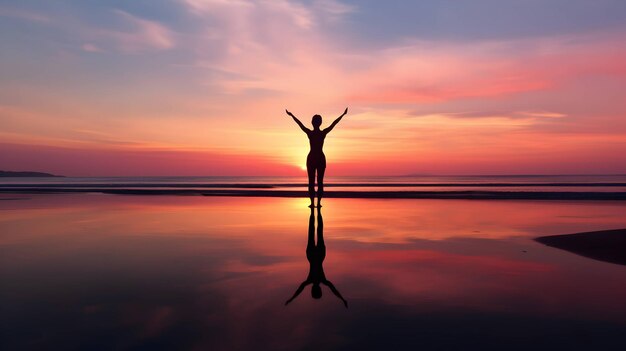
243,192
27,174
303,185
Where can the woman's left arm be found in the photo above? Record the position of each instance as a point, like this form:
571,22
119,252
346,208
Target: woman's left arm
335,291
327,130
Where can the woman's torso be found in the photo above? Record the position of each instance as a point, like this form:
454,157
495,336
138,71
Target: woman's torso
316,141
316,257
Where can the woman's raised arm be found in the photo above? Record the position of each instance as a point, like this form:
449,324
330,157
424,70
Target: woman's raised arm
327,130
304,129
336,292
298,291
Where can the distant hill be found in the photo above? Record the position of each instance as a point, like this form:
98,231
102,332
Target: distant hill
26,174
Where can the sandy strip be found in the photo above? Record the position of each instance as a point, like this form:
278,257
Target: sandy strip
605,245
479,195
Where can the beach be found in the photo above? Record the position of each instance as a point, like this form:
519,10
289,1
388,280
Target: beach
606,188
92,270
313,175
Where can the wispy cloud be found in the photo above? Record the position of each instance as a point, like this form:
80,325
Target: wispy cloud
278,46
333,8
493,114
127,33
142,35
24,15
89,47
248,14
265,45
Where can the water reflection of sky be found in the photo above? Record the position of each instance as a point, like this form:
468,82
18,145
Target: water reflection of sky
104,272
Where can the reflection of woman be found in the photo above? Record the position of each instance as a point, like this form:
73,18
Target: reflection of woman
315,254
316,160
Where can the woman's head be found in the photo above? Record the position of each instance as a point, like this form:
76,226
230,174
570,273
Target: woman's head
316,291
316,121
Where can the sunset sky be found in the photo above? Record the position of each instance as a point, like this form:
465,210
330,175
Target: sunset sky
199,87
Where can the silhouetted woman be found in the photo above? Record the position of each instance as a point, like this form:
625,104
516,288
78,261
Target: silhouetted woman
315,254
316,160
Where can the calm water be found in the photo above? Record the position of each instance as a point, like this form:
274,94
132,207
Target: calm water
101,272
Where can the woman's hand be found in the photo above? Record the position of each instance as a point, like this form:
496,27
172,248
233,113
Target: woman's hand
289,113
345,112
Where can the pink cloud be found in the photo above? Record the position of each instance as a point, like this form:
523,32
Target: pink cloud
280,47
89,47
431,72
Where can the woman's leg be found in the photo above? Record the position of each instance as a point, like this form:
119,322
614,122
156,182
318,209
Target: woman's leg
311,172
320,185
320,235
310,245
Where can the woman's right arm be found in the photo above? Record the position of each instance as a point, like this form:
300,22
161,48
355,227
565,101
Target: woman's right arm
298,291
304,129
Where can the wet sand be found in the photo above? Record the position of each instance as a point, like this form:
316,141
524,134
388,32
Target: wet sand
253,191
93,271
